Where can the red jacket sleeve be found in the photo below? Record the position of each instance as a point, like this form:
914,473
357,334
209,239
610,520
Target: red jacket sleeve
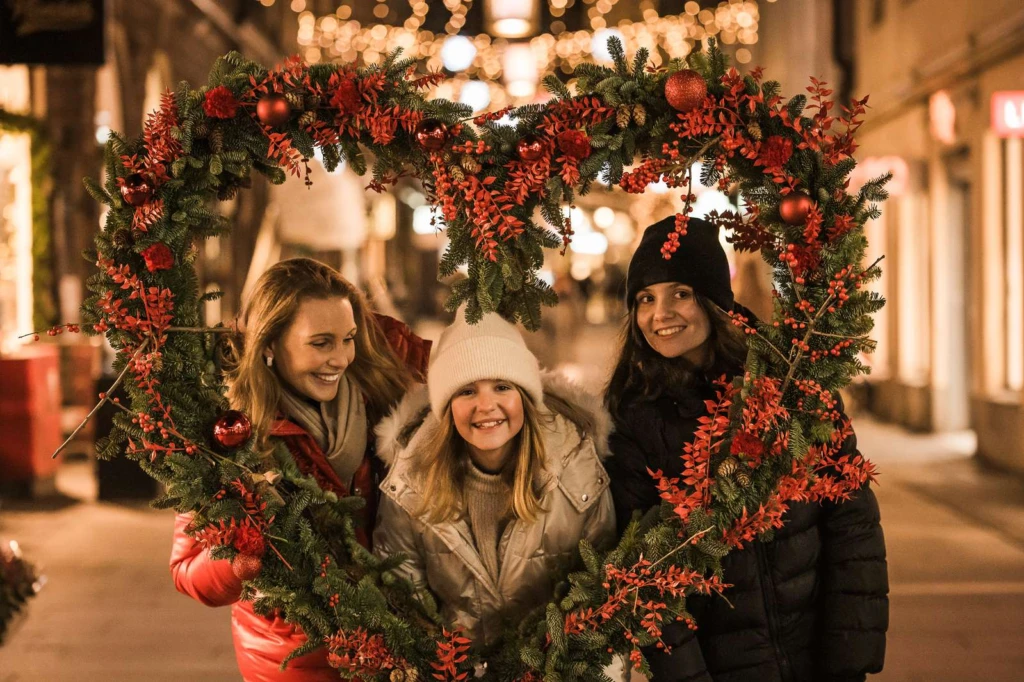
411,349
206,580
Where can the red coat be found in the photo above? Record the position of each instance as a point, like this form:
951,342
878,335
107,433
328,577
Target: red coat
262,643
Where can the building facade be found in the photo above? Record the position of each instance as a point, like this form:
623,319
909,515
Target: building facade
945,120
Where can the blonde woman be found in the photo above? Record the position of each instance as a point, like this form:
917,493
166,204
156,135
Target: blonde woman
316,370
495,476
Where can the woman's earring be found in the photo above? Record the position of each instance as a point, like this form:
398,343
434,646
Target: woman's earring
270,361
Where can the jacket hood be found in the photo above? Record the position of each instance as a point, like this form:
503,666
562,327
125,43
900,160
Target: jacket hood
562,397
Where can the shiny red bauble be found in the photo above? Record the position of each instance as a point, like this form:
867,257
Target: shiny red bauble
273,110
432,134
231,430
794,208
246,566
685,90
531,148
136,190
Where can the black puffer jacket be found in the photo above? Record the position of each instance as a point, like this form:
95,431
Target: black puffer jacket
810,606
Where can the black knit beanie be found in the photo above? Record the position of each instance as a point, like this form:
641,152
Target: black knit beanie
700,262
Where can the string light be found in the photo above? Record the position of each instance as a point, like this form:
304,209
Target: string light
335,37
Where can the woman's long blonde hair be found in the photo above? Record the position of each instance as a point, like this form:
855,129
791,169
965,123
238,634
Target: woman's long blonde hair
254,388
444,464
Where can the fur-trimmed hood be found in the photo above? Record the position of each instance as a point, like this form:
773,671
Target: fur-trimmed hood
562,396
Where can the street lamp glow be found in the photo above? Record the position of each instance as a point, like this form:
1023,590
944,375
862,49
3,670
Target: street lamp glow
458,53
599,43
476,94
426,220
512,18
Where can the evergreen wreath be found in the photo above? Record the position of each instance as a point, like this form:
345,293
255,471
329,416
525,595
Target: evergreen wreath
771,437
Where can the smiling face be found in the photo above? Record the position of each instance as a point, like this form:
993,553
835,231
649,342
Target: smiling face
316,348
488,414
673,322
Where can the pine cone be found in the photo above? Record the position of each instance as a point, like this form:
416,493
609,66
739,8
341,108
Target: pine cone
201,130
122,238
217,140
754,131
307,119
728,466
743,478
397,676
411,675
623,116
456,173
470,164
639,114
227,192
295,100
312,101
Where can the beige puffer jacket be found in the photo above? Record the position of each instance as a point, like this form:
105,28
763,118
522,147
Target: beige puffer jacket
442,556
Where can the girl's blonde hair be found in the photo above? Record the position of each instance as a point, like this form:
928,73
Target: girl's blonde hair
444,468
254,388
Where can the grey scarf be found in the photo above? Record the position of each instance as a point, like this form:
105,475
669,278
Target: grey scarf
338,427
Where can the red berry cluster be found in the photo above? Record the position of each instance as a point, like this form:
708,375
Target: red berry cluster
743,321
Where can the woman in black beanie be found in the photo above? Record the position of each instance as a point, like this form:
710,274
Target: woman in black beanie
809,606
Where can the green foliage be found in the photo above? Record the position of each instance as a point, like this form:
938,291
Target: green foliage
316,572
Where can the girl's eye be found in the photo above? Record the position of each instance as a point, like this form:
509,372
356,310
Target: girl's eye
321,344
645,299
465,392
503,387
682,293
349,340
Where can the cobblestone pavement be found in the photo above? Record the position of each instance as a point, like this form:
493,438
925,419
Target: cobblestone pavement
955,536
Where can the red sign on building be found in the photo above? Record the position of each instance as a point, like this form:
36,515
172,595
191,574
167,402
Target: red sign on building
1008,113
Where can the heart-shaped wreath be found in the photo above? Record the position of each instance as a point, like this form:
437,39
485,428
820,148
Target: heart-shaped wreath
771,437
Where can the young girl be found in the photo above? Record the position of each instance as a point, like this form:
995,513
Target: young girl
314,369
495,476
810,605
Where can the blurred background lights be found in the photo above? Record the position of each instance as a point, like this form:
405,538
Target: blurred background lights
476,94
599,43
458,53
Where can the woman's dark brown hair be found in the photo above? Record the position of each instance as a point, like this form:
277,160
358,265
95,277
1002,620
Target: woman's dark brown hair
642,371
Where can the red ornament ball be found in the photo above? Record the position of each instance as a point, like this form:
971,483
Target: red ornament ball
246,566
685,90
232,429
136,190
273,110
432,134
794,208
531,148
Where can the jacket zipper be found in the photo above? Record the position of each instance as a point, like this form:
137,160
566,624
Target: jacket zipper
768,586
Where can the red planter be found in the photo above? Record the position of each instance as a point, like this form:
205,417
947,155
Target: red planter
30,405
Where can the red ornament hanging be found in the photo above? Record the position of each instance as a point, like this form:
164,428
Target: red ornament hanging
531,148
685,90
273,110
794,208
432,134
246,566
136,190
232,429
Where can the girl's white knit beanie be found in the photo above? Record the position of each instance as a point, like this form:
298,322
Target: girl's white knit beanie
490,349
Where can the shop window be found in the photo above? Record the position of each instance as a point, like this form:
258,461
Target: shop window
1002,264
912,287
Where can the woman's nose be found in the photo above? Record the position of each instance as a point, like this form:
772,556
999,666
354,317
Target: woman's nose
663,309
339,360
